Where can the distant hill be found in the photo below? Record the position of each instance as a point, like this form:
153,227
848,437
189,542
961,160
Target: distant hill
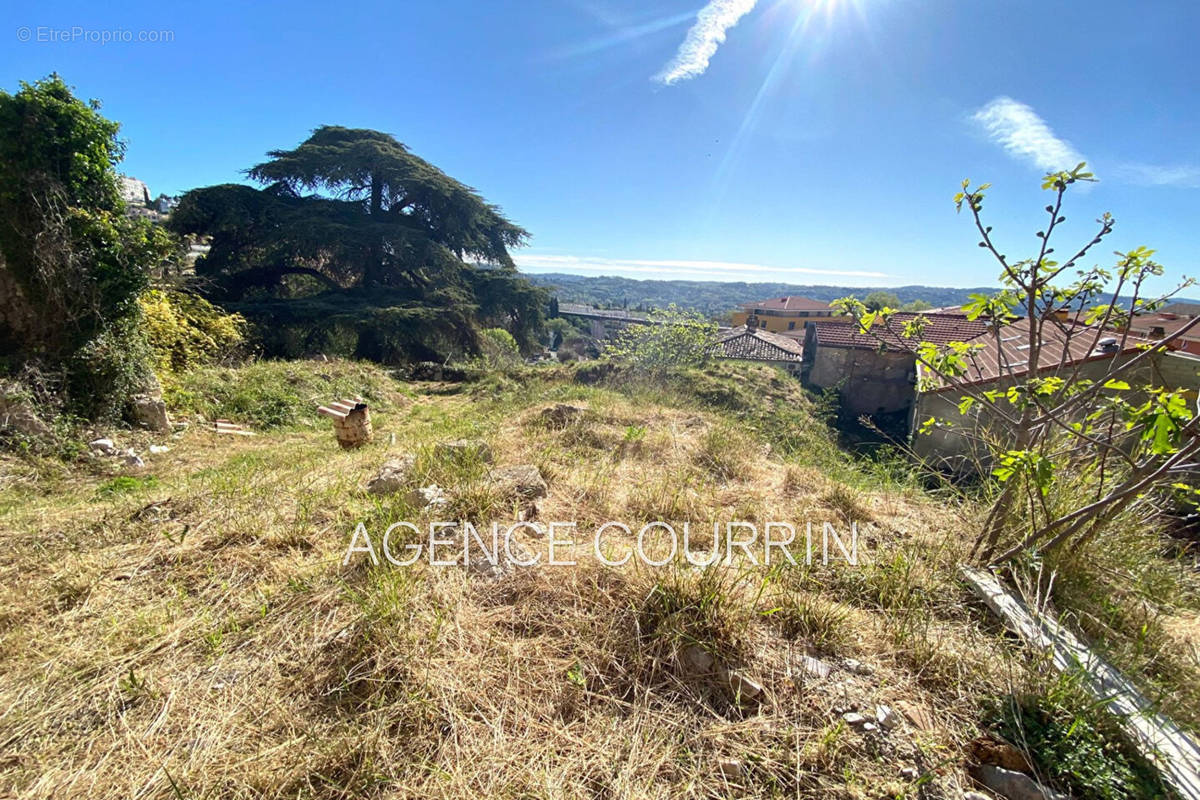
716,297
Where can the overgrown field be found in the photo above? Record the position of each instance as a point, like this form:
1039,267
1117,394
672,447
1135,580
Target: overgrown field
188,628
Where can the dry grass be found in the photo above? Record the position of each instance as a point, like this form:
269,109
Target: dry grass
198,635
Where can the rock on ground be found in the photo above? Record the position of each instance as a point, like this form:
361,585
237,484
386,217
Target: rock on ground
394,475
151,412
698,660
886,717
523,480
1014,785
427,497
814,667
987,750
19,416
480,565
464,450
743,688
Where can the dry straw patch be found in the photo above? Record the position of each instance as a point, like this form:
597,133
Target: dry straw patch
198,637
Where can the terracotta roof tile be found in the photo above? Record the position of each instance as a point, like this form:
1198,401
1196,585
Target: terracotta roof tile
757,345
939,329
1063,346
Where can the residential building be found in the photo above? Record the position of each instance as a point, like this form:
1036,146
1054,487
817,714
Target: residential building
1165,322
1070,350
782,314
748,343
134,192
873,372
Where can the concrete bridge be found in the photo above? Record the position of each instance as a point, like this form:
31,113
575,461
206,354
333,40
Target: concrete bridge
604,323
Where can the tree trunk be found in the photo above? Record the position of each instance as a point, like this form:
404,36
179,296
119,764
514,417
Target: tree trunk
374,270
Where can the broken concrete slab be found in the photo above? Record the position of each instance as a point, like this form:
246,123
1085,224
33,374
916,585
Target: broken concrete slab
1170,748
1014,785
813,667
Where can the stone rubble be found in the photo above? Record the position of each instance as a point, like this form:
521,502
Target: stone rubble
426,497
394,475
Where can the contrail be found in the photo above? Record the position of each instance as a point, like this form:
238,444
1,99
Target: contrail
703,39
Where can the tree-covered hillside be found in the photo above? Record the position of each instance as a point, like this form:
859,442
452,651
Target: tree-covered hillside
715,297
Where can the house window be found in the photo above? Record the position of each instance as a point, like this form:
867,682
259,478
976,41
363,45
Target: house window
792,325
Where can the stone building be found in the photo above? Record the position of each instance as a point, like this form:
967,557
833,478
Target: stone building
873,372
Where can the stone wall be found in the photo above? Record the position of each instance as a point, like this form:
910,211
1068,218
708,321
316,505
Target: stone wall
868,381
947,446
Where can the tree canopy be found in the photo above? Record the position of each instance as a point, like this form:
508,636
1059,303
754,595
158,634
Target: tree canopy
73,262
354,211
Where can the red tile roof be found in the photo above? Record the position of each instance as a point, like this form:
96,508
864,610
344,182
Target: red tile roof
939,329
1148,324
1063,346
790,303
757,345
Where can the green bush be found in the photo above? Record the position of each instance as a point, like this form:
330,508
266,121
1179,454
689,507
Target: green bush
186,331
1076,743
106,371
498,347
677,339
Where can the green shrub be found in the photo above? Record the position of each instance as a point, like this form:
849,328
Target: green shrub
498,348
677,339
186,331
1076,743
106,371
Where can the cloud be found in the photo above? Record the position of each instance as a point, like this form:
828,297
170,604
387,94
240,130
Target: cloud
703,39
1180,175
1018,129
676,268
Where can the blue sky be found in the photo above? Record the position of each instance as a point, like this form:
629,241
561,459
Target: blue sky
812,142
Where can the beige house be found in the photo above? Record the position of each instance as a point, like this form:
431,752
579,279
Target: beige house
782,314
